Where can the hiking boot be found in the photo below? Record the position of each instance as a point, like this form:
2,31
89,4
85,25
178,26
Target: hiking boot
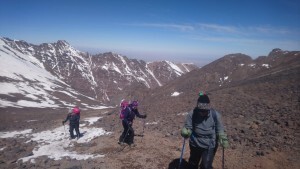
121,143
132,145
71,138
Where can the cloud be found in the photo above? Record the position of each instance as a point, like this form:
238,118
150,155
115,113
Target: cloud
249,41
270,30
227,30
246,35
213,29
180,27
246,30
229,39
218,28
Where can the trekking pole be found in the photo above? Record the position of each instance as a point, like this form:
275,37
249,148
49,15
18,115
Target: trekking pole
223,158
126,134
144,122
121,143
65,130
182,151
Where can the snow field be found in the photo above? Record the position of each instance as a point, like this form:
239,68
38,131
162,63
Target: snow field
55,143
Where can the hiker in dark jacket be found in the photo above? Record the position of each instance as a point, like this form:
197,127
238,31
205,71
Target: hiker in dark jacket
129,115
204,128
73,117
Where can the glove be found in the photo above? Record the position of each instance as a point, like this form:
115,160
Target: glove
223,140
63,122
186,133
145,116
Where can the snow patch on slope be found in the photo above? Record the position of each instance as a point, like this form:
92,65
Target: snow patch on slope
55,143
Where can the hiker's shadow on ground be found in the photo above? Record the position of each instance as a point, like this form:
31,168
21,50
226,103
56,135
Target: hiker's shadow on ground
175,164
82,134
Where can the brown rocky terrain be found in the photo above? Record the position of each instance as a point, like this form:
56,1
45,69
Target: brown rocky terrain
259,106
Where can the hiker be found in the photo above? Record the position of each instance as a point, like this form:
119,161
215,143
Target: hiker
73,117
205,129
129,115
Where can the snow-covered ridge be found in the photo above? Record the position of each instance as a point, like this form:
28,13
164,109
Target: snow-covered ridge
59,67
27,76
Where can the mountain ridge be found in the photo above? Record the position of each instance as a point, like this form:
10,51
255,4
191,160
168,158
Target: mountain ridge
101,76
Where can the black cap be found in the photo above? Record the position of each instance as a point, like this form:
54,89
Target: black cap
203,98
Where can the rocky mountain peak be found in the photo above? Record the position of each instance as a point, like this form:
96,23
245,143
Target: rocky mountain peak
275,52
19,45
228,63
237,58
63,42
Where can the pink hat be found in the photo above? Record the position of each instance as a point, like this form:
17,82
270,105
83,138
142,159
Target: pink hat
76,110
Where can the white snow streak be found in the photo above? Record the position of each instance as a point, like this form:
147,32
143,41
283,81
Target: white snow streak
184,66
151,123
15,133
175,94
182,114
152,74
178,71
92,120
266,65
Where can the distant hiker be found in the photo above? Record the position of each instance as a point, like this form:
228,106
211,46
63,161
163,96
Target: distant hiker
129,115
73,117
204,128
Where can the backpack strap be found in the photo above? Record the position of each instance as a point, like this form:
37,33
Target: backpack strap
193,117
214,115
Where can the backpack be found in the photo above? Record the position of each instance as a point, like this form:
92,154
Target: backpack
123,106
74,118
213,113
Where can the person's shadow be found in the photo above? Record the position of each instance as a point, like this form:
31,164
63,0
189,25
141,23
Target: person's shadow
175,164
82,134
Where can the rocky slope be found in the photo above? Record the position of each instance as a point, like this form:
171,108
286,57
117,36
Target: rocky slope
258,99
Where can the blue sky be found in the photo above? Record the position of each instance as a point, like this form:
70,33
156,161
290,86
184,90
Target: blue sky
195,31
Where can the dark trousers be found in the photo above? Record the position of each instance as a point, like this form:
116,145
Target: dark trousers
127,135
71,130
205,155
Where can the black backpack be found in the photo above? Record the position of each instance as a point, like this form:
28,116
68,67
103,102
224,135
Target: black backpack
214,115
212,111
